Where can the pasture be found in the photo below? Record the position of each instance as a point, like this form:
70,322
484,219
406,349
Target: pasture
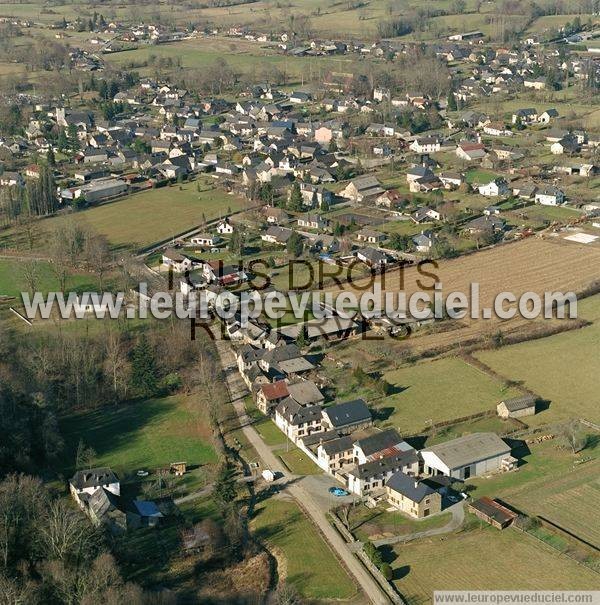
143,435
310,565
141,219
484,559
12,279
438,391
561,368
551,482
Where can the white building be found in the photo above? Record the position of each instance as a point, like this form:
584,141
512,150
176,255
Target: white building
468,456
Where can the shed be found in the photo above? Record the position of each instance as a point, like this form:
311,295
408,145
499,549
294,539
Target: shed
516,407
492,512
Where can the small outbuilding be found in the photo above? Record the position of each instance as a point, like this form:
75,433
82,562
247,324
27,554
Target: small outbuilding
517,407
492,512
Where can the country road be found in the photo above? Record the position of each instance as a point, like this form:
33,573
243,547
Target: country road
237,389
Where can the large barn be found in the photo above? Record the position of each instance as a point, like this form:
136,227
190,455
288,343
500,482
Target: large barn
469,456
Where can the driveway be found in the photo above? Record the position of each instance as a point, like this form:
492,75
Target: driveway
458,517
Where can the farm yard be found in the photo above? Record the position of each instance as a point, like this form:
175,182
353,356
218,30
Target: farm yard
489,560
310,566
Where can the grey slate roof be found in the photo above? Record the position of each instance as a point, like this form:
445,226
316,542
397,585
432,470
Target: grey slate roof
93,477
409,487
469,449
519,403
378,442
385,465
347,413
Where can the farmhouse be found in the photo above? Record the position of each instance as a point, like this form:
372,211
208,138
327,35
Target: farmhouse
179,262
224,227
412,496
468,456
426,144
517,407
525,116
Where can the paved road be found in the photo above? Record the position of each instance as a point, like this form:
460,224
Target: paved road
298,490
458,516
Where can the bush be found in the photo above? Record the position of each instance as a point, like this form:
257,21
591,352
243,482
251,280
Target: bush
387,571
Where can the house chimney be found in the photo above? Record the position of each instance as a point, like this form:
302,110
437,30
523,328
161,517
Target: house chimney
416,482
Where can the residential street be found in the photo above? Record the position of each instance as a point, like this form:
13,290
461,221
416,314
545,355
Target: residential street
301,490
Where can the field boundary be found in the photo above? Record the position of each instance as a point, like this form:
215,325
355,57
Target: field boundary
544,522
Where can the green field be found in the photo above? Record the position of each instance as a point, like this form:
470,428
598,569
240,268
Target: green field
12,282
146,435
437,391
309,564
550,482
485,559
560,368
154,215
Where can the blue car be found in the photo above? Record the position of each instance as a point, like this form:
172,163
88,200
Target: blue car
338,491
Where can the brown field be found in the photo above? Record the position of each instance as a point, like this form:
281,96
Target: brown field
485,559
535,265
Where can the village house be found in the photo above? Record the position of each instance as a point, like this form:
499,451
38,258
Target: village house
297,421
370,236
205,240
224,227
426,144
347,417
470,151
376,259
549,196
335,454
276,235
525,116
517,407
413,496
496,187
451,180
425,215
389,199
362,189
365,479
312,221
269,395
469,456
378,445
179,262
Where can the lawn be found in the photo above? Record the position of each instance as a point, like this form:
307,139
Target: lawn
376,523
561,368
485,559
310,565
538,216
263,425
151,216
146,435
437,391
298,462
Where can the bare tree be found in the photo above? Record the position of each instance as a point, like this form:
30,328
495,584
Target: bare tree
31,276
573,436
